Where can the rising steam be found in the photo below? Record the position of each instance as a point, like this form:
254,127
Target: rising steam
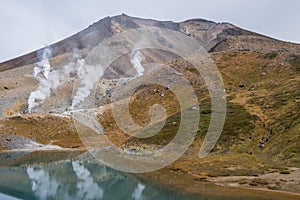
136,60
88,75
47,82
43,65
49,79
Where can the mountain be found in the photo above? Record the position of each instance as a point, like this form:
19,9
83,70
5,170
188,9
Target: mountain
208,33
261,77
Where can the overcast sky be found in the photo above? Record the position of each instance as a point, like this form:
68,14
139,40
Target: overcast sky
32,24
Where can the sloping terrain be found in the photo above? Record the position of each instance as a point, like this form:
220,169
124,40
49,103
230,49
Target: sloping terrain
261,76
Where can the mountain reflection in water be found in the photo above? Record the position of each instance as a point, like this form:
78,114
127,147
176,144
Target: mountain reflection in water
77,179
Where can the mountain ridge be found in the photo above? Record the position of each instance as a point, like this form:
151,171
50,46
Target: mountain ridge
208,33
261,76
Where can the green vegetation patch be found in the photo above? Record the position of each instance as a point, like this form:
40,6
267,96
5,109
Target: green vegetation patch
270,55
295,62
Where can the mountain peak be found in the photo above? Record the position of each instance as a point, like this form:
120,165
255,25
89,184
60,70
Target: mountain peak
208,33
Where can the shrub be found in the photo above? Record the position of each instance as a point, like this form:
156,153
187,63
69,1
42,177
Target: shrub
273,188
295,62
207,111
258,181
243,181
284,171
270,55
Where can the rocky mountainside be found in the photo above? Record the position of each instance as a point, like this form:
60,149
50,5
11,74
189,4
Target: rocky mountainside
261,77
208,33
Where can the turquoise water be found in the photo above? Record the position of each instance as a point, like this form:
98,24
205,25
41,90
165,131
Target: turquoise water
78,178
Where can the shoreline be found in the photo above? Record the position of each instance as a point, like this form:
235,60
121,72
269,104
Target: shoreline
287,182
208,188
224,186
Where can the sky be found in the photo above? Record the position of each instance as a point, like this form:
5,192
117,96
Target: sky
32,24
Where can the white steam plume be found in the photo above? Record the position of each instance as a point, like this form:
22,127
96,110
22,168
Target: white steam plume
49,80
136,60
44,90
44,64
88,75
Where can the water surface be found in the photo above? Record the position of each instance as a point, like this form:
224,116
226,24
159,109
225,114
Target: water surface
23,176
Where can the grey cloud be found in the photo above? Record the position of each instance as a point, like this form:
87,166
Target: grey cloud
29,25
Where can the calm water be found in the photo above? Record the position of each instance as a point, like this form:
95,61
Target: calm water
76,179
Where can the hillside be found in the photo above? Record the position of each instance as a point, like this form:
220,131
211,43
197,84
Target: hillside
262,80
